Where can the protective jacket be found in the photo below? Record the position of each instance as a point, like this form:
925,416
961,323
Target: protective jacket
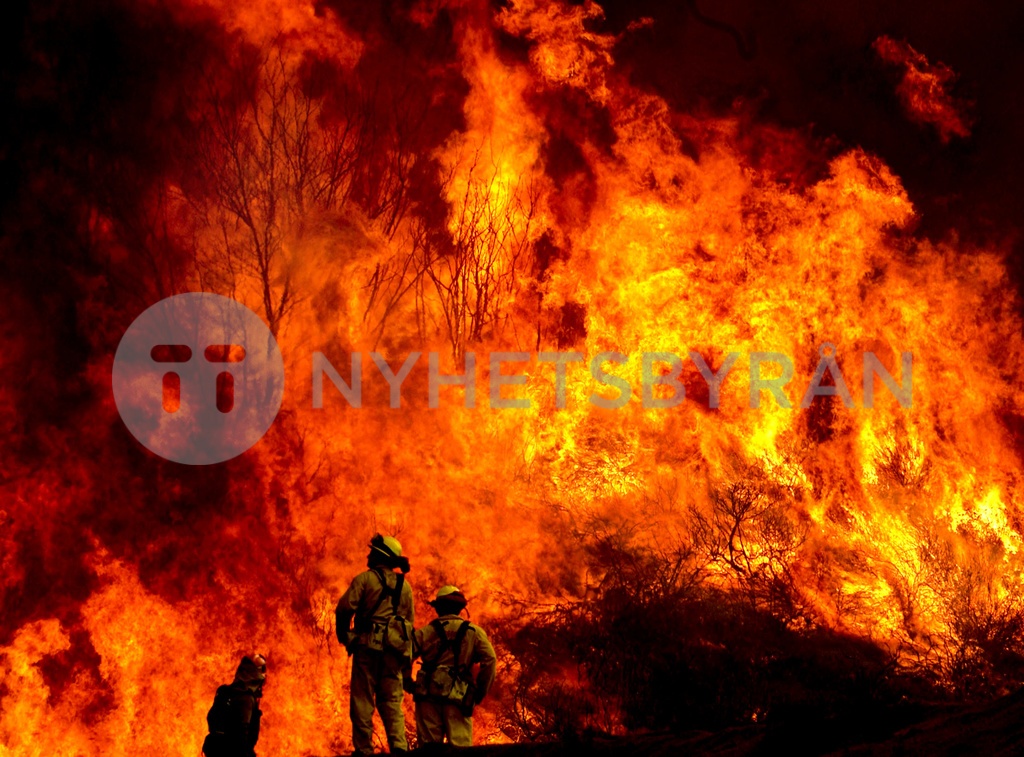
446,691
234,722
369,602
376,674
435,645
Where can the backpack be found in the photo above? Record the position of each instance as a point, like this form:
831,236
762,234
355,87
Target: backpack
226,737
219,719
395,635
447,683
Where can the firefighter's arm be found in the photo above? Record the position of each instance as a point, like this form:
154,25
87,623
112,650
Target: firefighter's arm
419,638
483,653
249,715
254,725
346,610
342,623
408,680
407,606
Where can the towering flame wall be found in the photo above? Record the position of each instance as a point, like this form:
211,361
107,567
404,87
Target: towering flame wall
484,179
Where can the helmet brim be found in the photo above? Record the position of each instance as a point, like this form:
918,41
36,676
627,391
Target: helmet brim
449,599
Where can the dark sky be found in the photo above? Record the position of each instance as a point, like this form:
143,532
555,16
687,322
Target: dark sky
810,63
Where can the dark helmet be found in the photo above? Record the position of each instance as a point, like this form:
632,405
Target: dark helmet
252,671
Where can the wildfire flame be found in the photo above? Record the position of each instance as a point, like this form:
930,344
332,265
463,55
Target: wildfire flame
924,89
516,192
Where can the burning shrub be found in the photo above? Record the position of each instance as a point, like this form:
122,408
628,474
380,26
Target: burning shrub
899,462
979,649
750,534
659,635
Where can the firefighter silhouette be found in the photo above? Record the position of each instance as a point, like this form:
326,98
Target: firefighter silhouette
380,642
234,718
446,691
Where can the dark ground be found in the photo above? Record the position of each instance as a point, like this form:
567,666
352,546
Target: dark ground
993,730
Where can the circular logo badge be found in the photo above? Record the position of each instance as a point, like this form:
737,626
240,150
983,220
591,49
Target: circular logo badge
198,378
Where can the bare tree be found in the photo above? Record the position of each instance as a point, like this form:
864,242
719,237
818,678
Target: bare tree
394,278
476,269
464,269
271,157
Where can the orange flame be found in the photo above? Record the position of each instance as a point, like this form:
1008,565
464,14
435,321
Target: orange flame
663,234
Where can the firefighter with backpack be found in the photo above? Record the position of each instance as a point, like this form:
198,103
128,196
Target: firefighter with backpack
446,691
380,641
234,718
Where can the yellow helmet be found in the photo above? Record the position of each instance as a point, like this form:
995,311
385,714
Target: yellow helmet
387,546
449,594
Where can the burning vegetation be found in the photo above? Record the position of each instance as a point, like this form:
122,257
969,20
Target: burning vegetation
472,178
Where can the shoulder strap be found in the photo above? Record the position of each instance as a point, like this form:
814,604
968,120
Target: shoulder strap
460,636
384,591
396,597
442,643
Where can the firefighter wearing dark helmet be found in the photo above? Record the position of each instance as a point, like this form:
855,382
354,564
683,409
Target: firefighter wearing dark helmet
234,718
378,600
446,691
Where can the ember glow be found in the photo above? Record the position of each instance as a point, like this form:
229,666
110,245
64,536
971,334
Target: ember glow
924,89
483,178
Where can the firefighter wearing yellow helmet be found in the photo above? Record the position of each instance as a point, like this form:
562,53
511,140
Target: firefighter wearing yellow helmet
380,602
446,691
